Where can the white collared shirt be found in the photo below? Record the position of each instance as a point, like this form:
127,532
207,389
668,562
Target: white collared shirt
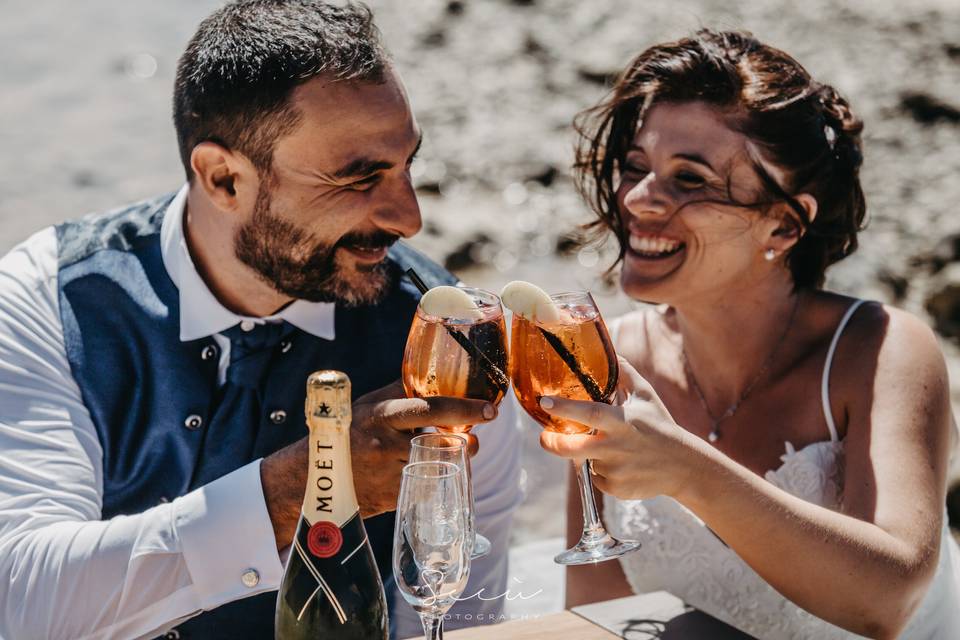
64,572
202,315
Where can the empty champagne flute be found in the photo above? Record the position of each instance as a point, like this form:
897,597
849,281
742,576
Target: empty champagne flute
443,447
431,555
570,356
457,347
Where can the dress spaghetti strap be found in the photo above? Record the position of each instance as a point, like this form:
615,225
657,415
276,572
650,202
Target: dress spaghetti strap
825,381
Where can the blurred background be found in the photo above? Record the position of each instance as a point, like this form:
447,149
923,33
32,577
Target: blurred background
85,92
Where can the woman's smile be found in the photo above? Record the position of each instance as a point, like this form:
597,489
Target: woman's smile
651,257
654,247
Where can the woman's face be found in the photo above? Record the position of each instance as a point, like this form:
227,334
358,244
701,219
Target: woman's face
679,244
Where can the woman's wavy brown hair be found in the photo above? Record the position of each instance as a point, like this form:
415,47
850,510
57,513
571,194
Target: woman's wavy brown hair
803,127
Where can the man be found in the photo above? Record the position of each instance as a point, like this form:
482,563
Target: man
153,359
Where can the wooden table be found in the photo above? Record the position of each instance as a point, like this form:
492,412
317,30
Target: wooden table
657,615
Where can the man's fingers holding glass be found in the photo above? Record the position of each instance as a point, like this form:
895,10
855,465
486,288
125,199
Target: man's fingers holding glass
413,413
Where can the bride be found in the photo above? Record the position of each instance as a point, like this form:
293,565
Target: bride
782,451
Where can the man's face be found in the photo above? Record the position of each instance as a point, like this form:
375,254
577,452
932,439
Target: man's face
338,196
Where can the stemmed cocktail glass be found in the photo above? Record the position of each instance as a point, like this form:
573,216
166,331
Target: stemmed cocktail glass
462,354
570,356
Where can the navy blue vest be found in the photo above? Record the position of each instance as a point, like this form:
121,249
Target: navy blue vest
142,385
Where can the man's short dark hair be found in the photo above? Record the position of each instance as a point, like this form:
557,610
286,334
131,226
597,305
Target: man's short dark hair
235,78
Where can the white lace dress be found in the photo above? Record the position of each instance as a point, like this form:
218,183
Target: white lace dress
682,556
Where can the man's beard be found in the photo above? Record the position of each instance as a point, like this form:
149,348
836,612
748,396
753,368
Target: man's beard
291,261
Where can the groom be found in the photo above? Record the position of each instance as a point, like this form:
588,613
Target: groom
153,359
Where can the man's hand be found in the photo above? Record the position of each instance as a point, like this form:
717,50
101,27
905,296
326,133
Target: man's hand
383,423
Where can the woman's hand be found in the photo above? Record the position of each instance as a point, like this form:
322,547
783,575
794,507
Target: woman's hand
637,450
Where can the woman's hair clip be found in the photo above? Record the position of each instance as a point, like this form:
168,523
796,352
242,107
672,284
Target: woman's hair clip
831,134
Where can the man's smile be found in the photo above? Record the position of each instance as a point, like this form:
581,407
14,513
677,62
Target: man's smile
367,254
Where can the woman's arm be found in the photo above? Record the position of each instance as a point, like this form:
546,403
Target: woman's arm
865,569
590,582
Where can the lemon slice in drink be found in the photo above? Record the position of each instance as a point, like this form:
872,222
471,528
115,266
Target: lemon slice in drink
530,301
450,302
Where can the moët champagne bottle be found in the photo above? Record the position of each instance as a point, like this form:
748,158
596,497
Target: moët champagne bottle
331,587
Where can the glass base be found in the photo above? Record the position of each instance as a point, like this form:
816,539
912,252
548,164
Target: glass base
590,552
481,547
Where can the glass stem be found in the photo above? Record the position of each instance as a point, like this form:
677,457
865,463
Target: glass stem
592,527
472,515
432,626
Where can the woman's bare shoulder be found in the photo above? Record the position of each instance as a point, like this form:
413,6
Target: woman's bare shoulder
885,349
879,333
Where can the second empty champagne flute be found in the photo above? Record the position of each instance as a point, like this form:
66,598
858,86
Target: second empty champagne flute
460,352
443,447
431,558
571,357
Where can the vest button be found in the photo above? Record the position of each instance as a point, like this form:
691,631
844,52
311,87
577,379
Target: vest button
278,417
208,352
173,634
285,346
193,422
250,578
247,325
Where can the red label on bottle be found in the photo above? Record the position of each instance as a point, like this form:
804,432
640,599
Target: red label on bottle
324,539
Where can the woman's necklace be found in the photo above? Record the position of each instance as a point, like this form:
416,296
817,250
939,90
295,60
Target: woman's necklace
714,434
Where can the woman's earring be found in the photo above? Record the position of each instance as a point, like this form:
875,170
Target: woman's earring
769,255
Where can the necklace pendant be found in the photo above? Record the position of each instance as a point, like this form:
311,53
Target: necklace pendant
713,436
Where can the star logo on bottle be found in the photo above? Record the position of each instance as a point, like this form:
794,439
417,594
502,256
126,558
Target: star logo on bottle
324,409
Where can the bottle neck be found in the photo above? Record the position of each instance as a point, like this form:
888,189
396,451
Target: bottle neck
329,495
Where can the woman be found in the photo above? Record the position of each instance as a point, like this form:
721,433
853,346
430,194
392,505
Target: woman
782,450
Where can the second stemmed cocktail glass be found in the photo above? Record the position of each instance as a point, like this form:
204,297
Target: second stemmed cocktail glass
571,357
459,356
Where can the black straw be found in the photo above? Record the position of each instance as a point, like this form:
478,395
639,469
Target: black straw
493,372
593,389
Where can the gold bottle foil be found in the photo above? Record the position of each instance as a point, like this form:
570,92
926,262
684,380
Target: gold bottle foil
330,494
328,397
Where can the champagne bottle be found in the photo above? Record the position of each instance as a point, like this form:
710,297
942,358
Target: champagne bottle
331,587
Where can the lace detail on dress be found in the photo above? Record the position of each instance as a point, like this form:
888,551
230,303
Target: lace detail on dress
814,473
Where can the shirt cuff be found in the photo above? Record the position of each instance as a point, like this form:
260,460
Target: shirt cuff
227,539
